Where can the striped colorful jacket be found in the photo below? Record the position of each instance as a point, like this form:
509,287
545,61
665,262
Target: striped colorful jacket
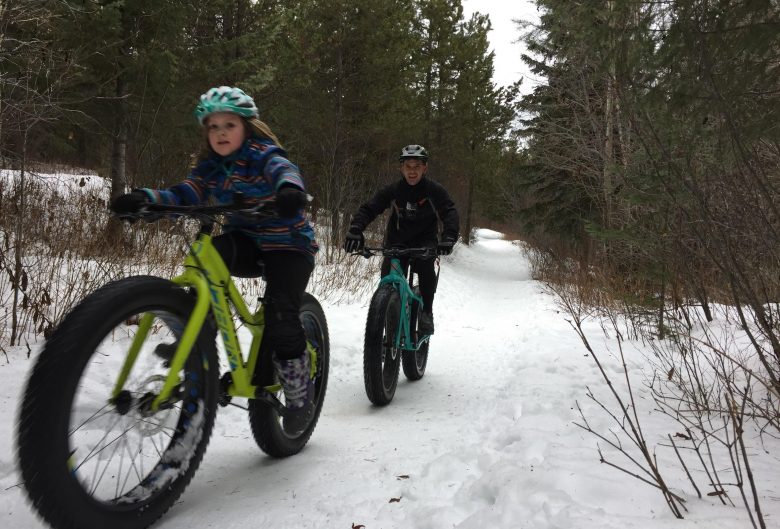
257,170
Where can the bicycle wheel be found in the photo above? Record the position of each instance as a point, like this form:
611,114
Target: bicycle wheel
414,362
88,461
266,423
381,359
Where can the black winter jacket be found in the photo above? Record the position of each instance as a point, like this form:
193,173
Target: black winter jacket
415,215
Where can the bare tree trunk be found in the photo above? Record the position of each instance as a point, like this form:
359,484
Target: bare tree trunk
119,142
18,282
662,307
428,89
609,148
3,11
466,229
121,125
701,293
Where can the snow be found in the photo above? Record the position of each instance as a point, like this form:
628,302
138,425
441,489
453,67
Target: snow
60,182
485,439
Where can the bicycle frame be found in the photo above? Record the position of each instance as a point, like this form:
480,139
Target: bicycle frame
206,272
397,279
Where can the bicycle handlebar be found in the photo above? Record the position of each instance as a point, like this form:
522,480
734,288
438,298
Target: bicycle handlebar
153,212
397,252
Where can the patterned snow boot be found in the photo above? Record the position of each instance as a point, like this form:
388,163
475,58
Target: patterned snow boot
298,391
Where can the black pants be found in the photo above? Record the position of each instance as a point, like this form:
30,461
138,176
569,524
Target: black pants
286,276
426,274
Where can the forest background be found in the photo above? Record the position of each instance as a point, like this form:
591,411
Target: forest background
642,173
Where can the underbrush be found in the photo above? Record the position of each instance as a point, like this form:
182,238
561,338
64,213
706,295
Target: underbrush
58,243
708,373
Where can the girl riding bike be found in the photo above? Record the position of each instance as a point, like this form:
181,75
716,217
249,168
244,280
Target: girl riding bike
243,161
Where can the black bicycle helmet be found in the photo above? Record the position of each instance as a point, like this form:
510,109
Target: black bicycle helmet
414,152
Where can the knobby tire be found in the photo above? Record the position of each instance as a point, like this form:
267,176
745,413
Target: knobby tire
72,458
381,360
415,362
265,422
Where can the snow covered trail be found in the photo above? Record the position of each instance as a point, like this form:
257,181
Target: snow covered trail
485,439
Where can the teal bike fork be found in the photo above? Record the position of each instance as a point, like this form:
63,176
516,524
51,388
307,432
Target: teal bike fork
397,280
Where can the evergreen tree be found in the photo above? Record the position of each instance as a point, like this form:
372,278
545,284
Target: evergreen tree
466,116
340,96
565,169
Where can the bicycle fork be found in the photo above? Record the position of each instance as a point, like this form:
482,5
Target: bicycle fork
185,344
403,337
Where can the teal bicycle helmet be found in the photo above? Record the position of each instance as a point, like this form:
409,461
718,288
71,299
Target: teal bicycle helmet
414,152
225,99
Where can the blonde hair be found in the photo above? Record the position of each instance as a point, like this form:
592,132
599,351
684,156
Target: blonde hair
263,130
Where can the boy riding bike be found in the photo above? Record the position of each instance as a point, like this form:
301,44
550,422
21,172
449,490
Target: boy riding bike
243,161
418,205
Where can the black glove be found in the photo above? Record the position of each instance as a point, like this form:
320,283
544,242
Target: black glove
445,246
129,203
289,201
355,240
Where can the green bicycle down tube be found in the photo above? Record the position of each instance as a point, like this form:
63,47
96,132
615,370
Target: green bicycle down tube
188,337
132,354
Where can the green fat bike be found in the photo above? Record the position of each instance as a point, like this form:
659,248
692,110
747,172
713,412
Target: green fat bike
391,338
110,433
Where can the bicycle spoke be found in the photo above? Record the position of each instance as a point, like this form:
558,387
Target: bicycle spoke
156,448
118,489
118,473
159,425
138,473
91,417
95,480
92,452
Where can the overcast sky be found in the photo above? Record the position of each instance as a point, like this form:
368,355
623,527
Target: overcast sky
504,36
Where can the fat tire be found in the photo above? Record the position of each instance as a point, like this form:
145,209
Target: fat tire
43,445
265,422
415,362
380,370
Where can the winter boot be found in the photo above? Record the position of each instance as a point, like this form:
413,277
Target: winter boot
425,323
294,374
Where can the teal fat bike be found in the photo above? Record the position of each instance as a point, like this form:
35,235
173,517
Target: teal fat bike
110,431
391,338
